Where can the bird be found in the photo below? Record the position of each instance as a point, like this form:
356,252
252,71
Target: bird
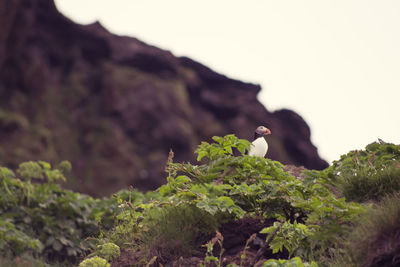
259,146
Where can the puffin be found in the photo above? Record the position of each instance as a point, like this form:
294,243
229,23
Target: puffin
259,146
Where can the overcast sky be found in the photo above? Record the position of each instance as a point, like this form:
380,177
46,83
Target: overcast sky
336,63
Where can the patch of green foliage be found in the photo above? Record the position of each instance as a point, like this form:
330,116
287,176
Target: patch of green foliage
102,255
95,261
368,174
174,231
374,241
293,262
44,219
126,224
22,261
225,187
313,217
109,251
288,235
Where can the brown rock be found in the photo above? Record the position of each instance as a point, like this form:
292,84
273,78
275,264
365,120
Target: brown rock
114,105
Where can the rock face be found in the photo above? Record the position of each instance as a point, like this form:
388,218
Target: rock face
114,106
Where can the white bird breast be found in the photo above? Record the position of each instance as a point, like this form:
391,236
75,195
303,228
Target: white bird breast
259,147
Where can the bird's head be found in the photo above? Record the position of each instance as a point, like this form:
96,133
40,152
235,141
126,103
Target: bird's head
262,130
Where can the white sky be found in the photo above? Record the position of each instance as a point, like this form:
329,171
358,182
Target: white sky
336,63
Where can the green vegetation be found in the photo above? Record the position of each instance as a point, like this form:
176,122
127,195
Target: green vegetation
175,231
109,251
375,240
310,221
368,174
24,260
296,261
43,219
95,261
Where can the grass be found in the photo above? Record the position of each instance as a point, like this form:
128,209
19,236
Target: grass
369,184
376,240
177,231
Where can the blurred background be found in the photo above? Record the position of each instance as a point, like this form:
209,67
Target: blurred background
113,86
336,63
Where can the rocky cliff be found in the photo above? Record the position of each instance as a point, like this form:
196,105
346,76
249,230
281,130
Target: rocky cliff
114,106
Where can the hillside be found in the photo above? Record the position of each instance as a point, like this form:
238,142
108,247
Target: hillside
114,106
225,210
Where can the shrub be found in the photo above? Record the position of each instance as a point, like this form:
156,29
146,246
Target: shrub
43,218
15,240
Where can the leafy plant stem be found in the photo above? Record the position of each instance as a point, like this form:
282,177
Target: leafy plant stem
264,246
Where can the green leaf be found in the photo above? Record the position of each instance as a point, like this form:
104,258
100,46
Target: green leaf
164,190
45,165
211,258
182,179
228,149
226,200
201,154
218,139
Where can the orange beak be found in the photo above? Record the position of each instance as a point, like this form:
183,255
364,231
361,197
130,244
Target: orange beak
267,131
